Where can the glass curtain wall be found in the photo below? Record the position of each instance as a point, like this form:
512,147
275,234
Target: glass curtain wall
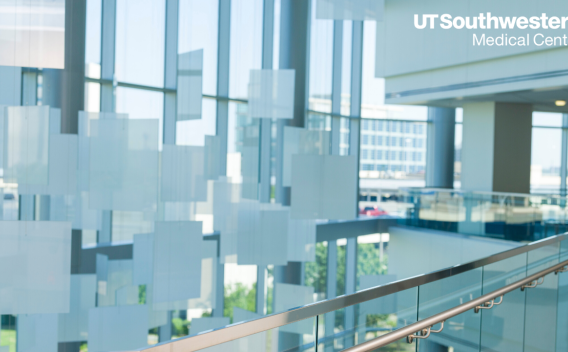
147,217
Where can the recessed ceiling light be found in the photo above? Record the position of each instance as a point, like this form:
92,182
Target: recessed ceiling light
560,103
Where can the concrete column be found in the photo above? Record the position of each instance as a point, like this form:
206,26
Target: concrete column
224,45
65,89
350,286
336,86
170,72
220,288
331,291
496,150
108,86
108,37
441,148
294,54
289,274
356,87
266,124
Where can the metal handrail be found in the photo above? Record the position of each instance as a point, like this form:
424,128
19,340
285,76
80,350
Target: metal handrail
242,329
409,330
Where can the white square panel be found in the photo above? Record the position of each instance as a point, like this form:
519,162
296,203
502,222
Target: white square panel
189,85
324,187
26,144
119,275
301,240
183,176
37,333
62,168
263,234
74,326
212,159
351,10
271,94
177,260
143,259
35,267
75,209
226,196
123,169
118,328
33,33
302,141
208,283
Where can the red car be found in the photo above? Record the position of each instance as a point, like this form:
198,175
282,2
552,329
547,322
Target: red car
372,211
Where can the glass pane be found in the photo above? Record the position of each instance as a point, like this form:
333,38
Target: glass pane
194,132
545,160
562,323
140,41
462,332
393,154
141,104
548,119
240,291
321,63
346,68
243,149
93,39
198,27
502,327
383,315
246,44
542,301
298,336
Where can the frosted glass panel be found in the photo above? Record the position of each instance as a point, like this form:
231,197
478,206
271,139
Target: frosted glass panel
226,197
262,235
143,259
291,296
75,209
354,10
118,328
35,266
183,176
37,333
271,94
324,187
177,260
26,144
119,275
74,326
123,173
33,33
301,240
208,277
62,168
203,324
206,300
212,160
302,141
190,83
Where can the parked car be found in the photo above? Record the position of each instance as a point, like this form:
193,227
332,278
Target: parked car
372,211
